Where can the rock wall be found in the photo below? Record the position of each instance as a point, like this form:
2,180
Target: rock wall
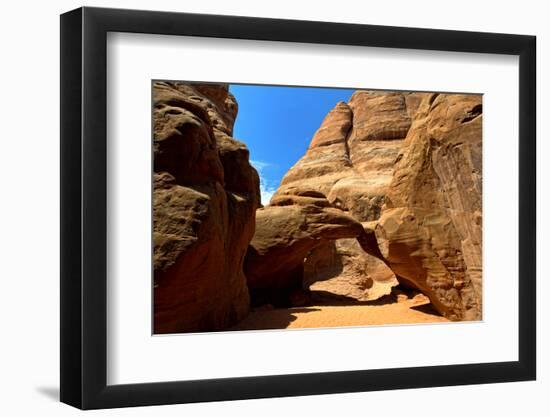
430,230
204,203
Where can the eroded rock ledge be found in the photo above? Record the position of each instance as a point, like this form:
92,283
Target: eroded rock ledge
286,232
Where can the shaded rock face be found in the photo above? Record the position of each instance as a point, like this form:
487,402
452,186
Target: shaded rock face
286,231
430,231
342,269
204,202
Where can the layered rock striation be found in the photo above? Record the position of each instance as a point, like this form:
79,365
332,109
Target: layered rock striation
351,156
204,202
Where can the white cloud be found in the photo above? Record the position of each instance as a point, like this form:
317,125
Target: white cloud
267,188
260,165
266,192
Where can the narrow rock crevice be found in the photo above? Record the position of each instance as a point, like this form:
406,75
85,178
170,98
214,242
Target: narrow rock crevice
474,113
347,138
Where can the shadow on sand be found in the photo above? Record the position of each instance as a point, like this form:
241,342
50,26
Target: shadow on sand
277,318
427,309
326,298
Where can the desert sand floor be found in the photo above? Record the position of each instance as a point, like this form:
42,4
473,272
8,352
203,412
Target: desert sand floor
408,311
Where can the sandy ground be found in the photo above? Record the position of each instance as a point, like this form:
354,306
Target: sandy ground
407,311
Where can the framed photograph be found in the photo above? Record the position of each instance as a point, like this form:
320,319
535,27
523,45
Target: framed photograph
258,208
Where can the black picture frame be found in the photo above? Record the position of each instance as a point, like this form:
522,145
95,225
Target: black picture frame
84,207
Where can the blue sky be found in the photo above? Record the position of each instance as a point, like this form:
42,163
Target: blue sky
277,124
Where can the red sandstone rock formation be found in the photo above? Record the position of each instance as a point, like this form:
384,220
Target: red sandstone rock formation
389,189
286,232
407,166
430,231
205,198
350,160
